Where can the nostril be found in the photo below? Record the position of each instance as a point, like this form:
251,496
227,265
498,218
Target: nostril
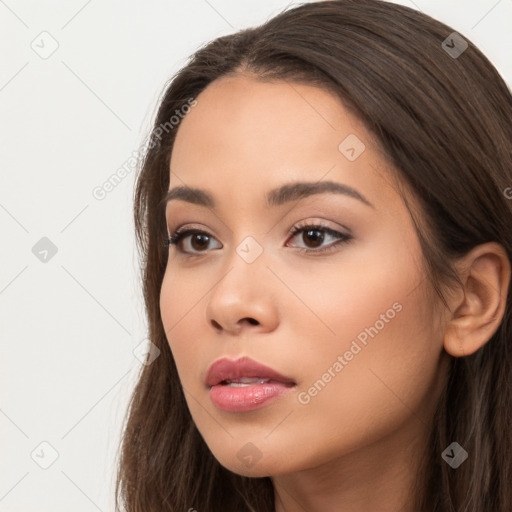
219,327
216,324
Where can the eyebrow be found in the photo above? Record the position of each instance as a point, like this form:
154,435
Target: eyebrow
276,197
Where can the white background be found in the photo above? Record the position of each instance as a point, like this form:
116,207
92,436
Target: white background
68,122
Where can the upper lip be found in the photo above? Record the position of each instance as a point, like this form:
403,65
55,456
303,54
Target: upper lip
229,369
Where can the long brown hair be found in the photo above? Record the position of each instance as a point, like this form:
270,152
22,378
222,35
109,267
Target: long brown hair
445,123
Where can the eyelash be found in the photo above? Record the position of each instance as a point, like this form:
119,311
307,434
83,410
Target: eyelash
180,234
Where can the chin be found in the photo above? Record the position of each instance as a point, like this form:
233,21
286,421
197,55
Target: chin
245,463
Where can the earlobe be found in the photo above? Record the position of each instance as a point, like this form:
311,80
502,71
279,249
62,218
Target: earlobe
485,273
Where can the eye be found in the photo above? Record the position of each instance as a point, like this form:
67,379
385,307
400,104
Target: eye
315,235
198,241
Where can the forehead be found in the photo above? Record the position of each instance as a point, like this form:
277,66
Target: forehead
245,137
284,109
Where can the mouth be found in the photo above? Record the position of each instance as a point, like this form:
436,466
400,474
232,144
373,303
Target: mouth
245,385
242,371
247,396
243,382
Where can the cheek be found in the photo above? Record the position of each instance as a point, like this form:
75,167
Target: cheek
181,294
180,304
377,370
371,348
358,295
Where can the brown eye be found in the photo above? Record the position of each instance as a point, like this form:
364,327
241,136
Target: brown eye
197,240
314,236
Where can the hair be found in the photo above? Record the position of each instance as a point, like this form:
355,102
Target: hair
444,123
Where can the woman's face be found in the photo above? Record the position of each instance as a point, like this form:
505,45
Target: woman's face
348,327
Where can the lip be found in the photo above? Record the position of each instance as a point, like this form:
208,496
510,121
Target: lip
249,397
229,369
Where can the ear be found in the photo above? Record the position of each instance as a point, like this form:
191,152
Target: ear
476,316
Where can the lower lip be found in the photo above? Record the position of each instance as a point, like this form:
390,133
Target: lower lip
247,398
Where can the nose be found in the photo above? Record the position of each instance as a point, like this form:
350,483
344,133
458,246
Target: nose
244,299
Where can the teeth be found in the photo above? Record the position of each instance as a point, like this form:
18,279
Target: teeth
245,381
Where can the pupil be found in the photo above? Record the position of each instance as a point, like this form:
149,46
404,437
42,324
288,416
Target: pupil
317,239
202,244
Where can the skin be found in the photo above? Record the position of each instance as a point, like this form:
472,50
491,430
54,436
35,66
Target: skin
357,443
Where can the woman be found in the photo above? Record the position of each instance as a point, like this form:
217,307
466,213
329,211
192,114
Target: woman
324,226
